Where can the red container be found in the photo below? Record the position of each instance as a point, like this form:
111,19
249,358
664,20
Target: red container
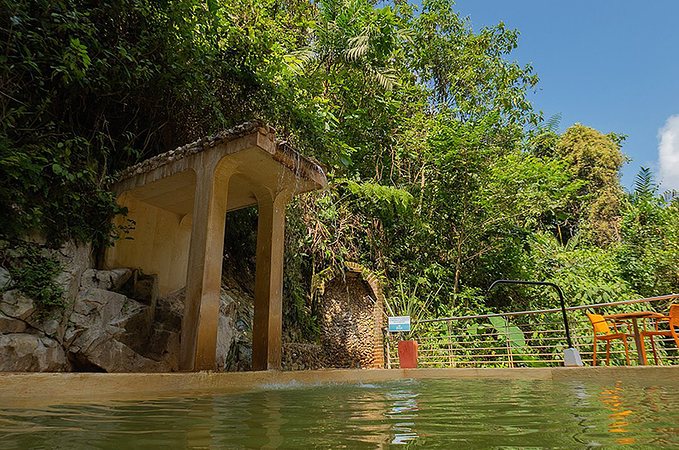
407,354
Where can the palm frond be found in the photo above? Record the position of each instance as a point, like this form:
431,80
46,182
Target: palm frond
385,77
298,59
553,122
358,47
644,184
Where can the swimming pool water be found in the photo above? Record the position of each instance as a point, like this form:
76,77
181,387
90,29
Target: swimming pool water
440,413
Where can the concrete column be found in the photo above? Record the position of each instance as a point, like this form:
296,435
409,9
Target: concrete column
203,280
268,321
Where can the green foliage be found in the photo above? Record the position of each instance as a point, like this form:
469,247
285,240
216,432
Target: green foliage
543,139
442,175
352,35
648,254
33,272
596,159
592,156
93,87
412,302
469,72
485,199
385,202
586,273
297,280
513,336
644,186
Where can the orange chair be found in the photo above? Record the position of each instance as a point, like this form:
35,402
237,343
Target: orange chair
601,326
673,321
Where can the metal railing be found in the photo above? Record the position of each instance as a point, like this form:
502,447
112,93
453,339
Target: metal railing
529,338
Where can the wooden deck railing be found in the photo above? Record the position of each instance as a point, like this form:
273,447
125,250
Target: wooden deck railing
528,338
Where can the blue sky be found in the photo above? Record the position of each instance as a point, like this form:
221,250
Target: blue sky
611,65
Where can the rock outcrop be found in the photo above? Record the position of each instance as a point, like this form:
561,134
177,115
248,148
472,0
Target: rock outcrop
17,306
32,340
113,322
108,280
5,279
163,343
11,325
105,328
23,352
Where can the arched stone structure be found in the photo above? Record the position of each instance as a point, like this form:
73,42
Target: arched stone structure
352,318
179,200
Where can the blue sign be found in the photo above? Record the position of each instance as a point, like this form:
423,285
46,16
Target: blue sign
399,323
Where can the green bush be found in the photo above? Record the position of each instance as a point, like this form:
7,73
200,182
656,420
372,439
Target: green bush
33,272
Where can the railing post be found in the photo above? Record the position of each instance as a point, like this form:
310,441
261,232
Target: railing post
451,361
571,354
388,350
510,358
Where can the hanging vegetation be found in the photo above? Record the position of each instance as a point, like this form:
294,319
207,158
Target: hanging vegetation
443,176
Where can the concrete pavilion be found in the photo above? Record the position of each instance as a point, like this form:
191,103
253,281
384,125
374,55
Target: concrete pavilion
179,200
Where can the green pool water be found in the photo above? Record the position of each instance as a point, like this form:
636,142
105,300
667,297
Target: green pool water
449,414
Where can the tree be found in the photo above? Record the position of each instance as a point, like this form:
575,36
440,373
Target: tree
483,201
469,73
94,87
596,159
648,254
442,175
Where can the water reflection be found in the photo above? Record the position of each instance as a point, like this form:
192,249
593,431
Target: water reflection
265,420
403,411
624,413
431,414
612,399
202,417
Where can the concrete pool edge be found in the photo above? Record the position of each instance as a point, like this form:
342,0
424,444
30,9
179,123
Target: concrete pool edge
88,386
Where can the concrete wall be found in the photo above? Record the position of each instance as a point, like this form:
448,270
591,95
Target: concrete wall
159,243
22,390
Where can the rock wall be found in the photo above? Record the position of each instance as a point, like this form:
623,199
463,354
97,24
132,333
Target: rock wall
113,322
304,356
29,341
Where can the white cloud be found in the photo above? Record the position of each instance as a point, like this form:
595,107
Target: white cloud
668,153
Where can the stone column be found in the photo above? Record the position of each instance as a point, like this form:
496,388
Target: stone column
203,280
268,321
